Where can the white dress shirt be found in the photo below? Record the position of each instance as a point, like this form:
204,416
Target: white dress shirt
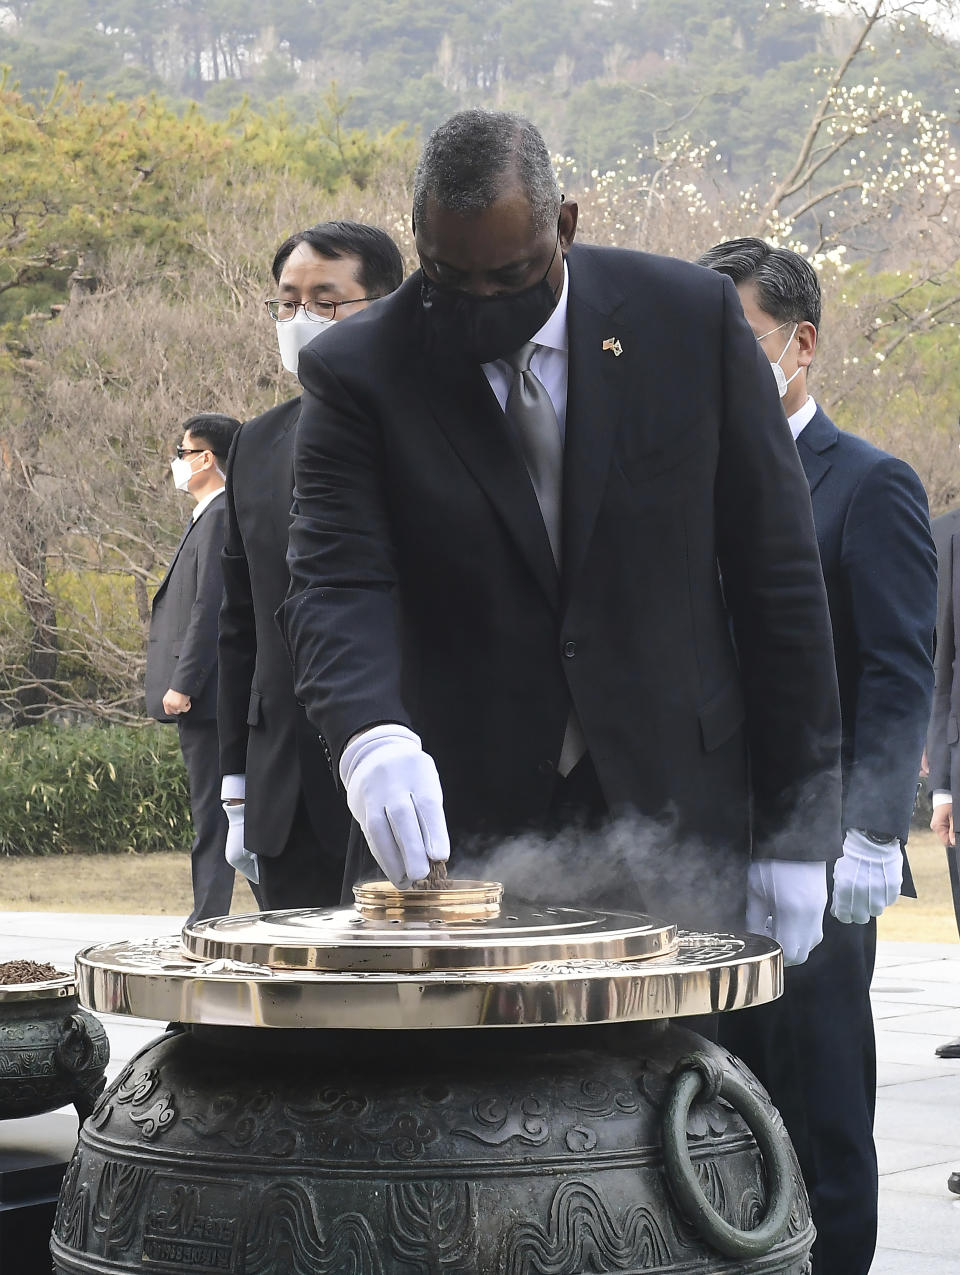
202,504
802,417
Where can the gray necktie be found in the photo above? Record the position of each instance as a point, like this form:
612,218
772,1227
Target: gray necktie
531,414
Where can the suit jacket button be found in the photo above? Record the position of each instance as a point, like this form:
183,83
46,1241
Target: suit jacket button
545,767
569,649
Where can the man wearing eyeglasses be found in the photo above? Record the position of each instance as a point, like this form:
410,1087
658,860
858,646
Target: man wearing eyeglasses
288,822
181,674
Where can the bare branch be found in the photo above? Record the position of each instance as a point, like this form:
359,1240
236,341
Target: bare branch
794,178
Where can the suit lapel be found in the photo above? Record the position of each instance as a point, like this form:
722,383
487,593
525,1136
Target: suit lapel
813,446
814,466
279,475
183,540
597,379
173,561
467,411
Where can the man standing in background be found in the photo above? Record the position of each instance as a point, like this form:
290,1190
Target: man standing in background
814,1049
181,676
943,739
288,821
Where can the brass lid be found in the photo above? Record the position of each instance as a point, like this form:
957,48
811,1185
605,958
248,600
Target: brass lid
47,989
706,973
464,927
425,959
455,900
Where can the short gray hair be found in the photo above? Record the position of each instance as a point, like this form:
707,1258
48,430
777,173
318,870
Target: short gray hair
469,159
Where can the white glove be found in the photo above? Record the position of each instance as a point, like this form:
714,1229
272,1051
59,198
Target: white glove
243,860
866,878
786,901
393,791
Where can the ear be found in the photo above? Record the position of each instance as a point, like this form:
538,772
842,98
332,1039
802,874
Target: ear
807,341
567,225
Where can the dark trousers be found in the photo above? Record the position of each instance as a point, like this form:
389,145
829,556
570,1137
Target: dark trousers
815,1052
636,865
212,875
308,872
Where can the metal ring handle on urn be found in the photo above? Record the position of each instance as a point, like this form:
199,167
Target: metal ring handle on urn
695,1076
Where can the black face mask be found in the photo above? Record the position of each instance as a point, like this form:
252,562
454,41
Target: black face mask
488,328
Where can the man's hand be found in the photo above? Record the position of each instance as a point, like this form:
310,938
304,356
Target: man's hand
866,878
174,703
942,822
234,851
393,791
786,900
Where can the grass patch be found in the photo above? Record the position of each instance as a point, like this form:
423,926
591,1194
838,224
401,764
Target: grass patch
92,789
133,884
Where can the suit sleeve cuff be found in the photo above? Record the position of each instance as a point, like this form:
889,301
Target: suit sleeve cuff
941,798
233,788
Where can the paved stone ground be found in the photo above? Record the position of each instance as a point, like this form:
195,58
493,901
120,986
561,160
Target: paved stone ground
916,996
916,1006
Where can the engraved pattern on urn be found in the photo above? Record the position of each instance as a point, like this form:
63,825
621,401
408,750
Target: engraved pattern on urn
115,1214
432,1226
499,1121
288,1227
581,1234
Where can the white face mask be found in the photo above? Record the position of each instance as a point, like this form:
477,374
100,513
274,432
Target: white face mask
182,473
294,334
779,375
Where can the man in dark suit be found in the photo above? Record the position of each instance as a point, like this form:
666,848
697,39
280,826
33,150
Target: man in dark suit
943,752
288,820
518,481
181,675
814,1048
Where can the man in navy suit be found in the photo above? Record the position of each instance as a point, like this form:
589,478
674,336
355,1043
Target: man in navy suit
814,1049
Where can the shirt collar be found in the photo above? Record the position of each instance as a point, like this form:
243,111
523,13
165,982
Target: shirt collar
553,334
202,504
802,417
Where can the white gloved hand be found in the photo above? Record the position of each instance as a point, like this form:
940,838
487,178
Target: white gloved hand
239,858
786,900
393,791
866,878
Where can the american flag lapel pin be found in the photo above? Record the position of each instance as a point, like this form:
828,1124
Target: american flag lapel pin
611,343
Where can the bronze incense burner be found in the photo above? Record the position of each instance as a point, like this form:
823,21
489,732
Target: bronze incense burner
438,1082
51,1051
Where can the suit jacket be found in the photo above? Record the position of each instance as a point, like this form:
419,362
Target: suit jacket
264,732
879,563
943,753
182,647
424,591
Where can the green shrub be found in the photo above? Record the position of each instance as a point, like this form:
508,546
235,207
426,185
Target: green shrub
92,789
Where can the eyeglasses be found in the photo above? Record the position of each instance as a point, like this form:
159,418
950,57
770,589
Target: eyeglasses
189,451
772,330
283,311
